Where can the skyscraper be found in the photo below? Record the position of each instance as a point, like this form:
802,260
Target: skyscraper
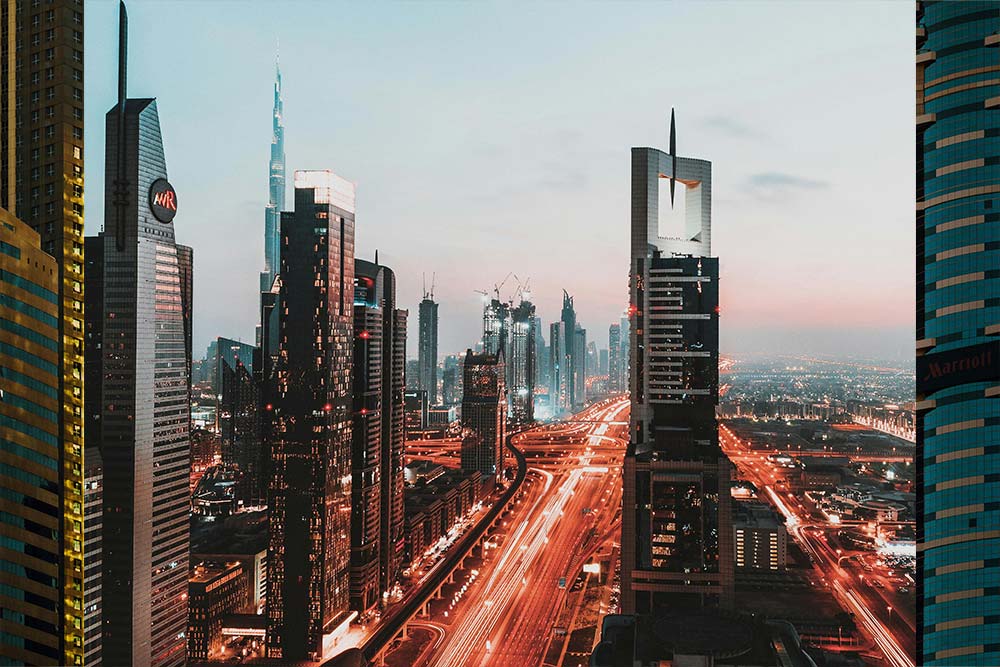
427,346
521,361
311,407
379,440
144,402
615,358
238,416
276,189
958,333
676,527
41,183
484,412
559,363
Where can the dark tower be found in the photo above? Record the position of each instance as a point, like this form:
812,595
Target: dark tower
311,408
677,551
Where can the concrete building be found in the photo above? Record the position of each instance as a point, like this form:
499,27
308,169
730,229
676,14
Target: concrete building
760,540
215,590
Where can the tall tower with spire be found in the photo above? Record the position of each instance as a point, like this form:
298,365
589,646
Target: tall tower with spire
276,189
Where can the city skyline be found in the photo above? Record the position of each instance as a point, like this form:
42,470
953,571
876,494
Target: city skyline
441,117
746,460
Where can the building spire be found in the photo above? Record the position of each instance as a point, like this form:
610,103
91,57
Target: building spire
673,157
121,186
276,186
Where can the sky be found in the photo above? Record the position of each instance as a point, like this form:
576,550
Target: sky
489,139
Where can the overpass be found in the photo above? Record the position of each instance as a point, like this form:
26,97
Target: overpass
417,602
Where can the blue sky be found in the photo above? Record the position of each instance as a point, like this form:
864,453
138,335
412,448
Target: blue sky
488,138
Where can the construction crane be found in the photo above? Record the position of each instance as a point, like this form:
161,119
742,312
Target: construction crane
497,288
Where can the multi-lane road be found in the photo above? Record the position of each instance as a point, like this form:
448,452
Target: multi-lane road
506,615
892,633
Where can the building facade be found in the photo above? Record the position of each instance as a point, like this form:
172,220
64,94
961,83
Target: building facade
760,539
216,589
521,363
677,535
427,347
93,522
377,496
958,325
311,405
41,183
237,414
145,394
615,374
29,475
484,413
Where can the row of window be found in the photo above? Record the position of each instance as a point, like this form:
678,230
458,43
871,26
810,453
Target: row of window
50,36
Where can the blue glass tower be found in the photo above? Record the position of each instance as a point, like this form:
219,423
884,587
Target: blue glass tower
958,332
276,191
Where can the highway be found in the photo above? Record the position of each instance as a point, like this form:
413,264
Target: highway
506,616
892,634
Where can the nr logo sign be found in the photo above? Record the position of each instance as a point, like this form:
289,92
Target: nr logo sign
162,200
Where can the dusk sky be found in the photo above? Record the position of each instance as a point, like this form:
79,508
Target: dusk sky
488,138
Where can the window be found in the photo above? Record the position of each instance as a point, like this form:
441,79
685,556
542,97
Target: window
34,97
77,153
77,114
50,131
50,73
50,93
77,94
50,35
50,150
77,75
77,132
50,53
77,55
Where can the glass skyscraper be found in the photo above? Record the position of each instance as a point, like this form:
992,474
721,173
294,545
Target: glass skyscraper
310,421
958,324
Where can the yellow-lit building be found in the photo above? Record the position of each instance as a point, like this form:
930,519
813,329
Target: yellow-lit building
41,183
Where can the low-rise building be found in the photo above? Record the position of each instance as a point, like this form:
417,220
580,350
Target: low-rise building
215,590
759,537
